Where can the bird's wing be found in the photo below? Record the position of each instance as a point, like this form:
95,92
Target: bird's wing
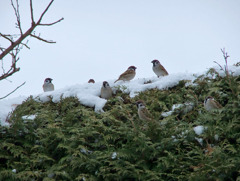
163,69
125,74
147,114
217,104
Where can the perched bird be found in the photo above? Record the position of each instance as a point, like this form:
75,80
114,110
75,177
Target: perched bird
158,69
210,104
91,81
106,90
48,86
128,75
142,111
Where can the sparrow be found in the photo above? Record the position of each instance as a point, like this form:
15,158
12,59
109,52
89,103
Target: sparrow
210,104
128,75
142,111
158,69
91,81
106,90
48,86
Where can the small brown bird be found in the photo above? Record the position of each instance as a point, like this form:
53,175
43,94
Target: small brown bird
158,69
48,86
210,104
128,75
106,90
143,113
91,81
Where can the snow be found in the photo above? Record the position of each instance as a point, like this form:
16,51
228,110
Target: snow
89,94
198,130
83,150
114,155
30,117
235,71
200,140
136,86
216,137
7,106
169,113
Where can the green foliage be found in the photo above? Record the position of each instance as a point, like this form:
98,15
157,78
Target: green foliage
67,141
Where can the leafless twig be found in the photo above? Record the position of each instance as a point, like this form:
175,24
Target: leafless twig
12,91
31,7
41,39
7,37
17,14
225,56
50,24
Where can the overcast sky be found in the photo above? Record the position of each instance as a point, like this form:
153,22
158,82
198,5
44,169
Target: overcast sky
101,39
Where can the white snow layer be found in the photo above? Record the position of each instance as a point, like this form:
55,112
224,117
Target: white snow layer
198,129
30,117
7,106
114,155
169,113
88,93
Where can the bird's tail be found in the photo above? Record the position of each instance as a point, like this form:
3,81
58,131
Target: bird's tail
116,81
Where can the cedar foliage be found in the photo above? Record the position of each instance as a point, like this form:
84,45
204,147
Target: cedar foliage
67,141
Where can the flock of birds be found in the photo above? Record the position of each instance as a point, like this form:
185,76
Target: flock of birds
129,74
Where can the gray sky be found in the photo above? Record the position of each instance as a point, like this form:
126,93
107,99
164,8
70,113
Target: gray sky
101,39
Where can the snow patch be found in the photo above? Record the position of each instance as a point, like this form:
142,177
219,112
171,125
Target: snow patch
169,113
30,117
198,130
200,140
114,155
7,106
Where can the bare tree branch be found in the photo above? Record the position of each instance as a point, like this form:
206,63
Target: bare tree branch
31,7
50,24
29,31
221,68
225,56
13,69
12,91
16,40
41,39
3,67
17,14
6,37
25,44
9,73
40,19
2,49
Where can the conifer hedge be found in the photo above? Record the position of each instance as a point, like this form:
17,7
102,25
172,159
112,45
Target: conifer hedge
67,141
